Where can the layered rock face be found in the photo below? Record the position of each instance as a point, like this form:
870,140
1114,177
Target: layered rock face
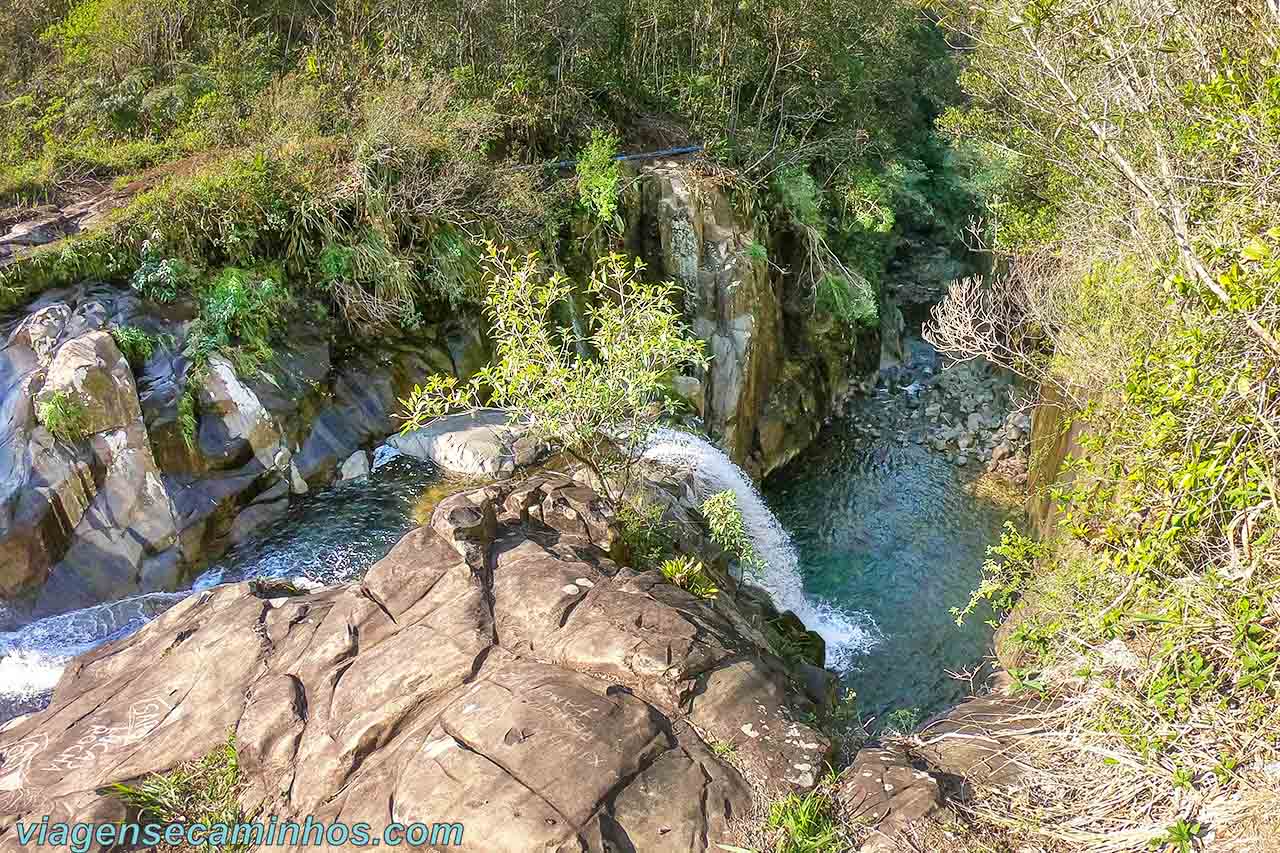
129,503
496,668
778,371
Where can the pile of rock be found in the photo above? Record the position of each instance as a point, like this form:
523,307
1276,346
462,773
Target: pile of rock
128,502
967,412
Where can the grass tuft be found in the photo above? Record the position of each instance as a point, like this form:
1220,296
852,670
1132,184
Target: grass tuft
64,415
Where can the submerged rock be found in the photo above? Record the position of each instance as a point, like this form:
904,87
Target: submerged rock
496,668
355,467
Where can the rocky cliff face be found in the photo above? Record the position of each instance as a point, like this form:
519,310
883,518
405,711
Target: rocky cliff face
496,668
778,372
136,503
127,502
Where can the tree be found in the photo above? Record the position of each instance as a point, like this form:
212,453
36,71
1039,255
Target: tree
597,394
1156,116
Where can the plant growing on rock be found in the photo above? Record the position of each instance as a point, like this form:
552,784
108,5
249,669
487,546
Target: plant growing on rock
690,575
205,790
807,823
64,415
598,175
188,420
137,345
157,277
729,531
600,408
238,313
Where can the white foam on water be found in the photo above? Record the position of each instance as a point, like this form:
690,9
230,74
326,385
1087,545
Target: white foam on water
848,633
33,657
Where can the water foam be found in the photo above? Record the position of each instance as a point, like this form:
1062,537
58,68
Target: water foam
848,633
33,657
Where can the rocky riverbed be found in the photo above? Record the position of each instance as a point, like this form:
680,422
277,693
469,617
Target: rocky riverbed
971,413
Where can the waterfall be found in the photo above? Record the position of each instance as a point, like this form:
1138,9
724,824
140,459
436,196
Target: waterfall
848,634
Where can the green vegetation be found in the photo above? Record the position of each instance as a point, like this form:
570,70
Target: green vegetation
648,535
239,311
598,175
137,345
689,574
1150,612
188,420
64,415
1004,579
600,409
723,749
370,150
728,531
902,721
205,790
807,823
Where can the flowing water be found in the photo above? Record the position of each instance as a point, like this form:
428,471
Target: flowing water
330,536
891,528
873,543
848,631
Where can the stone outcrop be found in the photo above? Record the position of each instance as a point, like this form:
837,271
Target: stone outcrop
497,668
891,789
132,504
481,444
28,229
884,788
778,371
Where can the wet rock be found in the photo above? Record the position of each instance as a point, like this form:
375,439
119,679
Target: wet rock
492,693
270,505
41,331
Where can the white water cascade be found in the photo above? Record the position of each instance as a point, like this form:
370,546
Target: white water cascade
847,633
32,657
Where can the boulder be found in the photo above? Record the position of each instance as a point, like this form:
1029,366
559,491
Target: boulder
234,425
270,505
355,466
544,696
480,444
79,518
92,371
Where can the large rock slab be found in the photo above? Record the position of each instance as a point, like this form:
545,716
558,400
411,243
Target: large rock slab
482,444
497,668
